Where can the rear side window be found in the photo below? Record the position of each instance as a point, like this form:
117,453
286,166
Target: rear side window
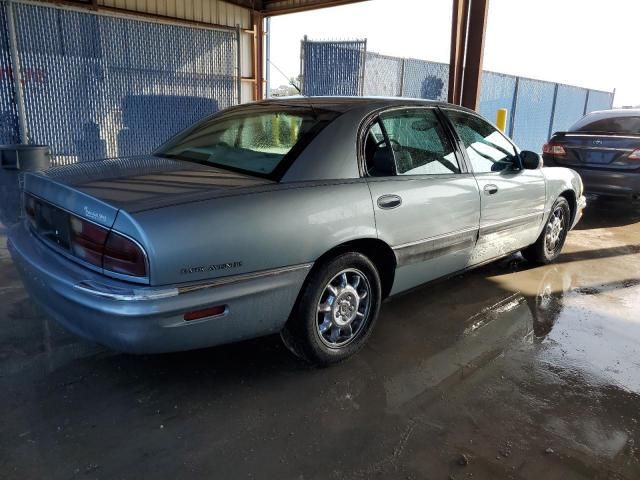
258,140
608,125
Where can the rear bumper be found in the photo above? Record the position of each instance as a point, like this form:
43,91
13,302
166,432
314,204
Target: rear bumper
150,320
611,183
607,182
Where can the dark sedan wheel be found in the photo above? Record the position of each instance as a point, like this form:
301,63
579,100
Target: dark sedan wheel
337,310
551,240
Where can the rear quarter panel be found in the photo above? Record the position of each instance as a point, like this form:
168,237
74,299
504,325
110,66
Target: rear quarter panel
290,225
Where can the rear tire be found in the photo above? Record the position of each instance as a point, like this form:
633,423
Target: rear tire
336,312
550,242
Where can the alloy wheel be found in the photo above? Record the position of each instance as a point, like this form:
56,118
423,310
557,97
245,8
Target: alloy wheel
343,309
555,231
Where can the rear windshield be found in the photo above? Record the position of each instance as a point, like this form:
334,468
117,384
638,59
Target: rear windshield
260,140
628,124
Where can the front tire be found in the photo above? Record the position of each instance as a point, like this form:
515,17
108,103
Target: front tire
550,242
336,312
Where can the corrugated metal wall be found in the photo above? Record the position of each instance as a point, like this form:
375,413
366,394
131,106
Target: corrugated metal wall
205,11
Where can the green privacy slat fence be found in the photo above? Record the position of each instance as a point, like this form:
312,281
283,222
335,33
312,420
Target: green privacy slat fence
8,113
99,86
538,108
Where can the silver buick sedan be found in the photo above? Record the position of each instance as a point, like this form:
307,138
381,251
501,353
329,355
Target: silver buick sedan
298,216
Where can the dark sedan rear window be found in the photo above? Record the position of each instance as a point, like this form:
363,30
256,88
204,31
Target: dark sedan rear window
627,124
258,140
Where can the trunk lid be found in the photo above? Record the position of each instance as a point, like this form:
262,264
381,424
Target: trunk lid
111,194
597,150
98,190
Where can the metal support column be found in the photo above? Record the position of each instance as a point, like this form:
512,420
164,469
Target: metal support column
402,77
586,102
514,105
17,73
239,64
613,95
553,110
468,26
268,57
303,42
473,57
459,22
362,70
257,19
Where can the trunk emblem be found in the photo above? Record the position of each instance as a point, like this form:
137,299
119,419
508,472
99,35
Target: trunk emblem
101,217
597,142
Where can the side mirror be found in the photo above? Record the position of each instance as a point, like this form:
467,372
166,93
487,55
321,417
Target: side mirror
530,160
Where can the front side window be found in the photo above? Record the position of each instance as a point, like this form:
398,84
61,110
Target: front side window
248,140
413,143
487,148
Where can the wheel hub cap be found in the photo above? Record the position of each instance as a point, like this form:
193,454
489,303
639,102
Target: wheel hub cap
345,306
555,230
343,309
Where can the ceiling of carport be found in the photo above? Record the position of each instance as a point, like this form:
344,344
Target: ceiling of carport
279,7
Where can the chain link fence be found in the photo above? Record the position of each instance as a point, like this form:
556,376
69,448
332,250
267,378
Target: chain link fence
384,75
537,108
8,114
98,86
345,80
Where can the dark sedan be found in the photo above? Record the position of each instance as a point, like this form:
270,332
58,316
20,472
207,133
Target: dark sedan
604,148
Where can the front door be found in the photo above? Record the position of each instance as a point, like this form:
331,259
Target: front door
426,204
512,199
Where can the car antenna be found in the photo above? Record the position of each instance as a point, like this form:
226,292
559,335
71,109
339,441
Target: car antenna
315,114
288,78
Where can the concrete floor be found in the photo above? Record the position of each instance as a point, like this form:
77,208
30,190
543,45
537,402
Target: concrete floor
526,372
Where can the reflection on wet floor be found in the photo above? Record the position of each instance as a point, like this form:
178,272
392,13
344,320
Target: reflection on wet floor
527,372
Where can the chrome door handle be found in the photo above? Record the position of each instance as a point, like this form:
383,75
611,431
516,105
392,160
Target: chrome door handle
490,189
389,201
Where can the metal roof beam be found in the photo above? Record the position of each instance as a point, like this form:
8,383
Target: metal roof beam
468,27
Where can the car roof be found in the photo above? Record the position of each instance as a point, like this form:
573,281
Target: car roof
605,114
615,112
345,103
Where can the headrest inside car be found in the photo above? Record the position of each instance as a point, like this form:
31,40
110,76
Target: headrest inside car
383,161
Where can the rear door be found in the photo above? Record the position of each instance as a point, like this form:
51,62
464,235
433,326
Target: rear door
512,199
426,203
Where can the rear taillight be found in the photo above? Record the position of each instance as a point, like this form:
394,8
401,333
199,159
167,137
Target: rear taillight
125,256
635,155
553,149
87,240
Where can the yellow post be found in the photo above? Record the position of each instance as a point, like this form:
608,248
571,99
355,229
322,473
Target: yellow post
275,129
501,119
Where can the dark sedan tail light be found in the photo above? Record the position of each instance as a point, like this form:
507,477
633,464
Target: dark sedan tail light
553,149
635,155
122,255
